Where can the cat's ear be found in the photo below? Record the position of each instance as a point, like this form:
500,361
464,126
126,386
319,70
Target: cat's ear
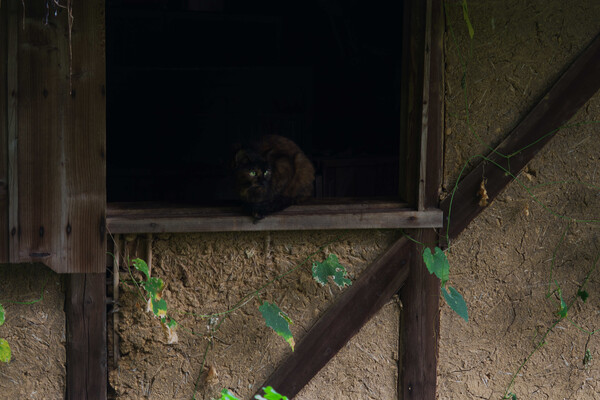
270,155
241,158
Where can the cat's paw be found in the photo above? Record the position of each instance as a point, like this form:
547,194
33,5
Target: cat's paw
257,217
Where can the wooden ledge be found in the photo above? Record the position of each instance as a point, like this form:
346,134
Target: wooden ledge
156,218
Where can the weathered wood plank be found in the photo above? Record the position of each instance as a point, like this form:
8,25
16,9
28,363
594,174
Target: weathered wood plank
155,220
413,43
4,137
572,90
374,288
116,298
424,107
12,126
421,292
83,215
434,145
86,337
41,57
57,138
419,328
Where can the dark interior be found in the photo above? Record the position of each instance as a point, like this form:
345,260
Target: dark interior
189,79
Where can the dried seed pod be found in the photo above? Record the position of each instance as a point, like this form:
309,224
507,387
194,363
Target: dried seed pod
482,193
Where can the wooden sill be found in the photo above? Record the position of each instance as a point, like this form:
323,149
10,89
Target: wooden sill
156,218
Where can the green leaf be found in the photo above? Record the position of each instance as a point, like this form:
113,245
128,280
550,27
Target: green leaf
581,293
141,265
330,267
5,354
154,287
456,302
227,395
278,321
158,307
270,394
437,263
1,314
564,309
467,20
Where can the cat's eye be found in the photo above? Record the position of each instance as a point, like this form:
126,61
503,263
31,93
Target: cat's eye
267,172
252,173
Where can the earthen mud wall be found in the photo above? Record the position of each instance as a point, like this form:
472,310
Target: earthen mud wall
511,259
210,273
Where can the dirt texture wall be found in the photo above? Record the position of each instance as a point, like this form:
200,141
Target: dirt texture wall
531,241
33,298
210,273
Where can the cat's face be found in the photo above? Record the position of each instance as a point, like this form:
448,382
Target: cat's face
253,177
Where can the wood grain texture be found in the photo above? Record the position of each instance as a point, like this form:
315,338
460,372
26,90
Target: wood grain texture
424,107
41,69
4,136
57,144
12,127
126,219
572,90
434,146
421,292
412,97
86,337
373,289
116,298
84,191
420,328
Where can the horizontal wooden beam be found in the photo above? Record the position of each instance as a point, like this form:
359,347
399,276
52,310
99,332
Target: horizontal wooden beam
136,218
343,320
574,88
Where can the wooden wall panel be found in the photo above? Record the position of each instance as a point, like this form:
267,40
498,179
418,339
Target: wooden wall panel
40,84
58,198
84,214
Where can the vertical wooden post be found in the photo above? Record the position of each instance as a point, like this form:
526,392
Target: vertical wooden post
86,337
421,293
419,328
4,134
411,96
12,29
115,315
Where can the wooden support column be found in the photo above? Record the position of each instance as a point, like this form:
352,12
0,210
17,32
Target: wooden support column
420,323
4,135
86,337
419,328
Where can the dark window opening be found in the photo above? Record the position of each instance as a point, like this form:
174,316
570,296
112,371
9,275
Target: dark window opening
188,79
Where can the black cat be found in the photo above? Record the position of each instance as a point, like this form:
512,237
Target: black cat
272,174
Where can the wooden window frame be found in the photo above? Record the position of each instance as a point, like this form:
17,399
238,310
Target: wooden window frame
328,213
